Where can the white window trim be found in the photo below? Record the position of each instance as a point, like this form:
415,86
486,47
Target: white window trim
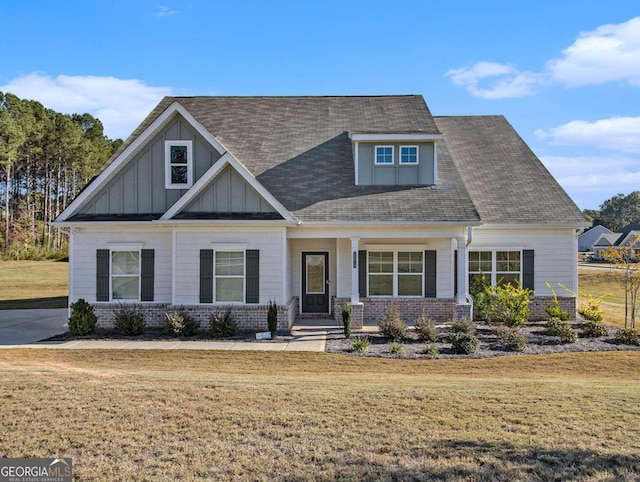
395,274
494,264
244,276
167,164
118,248
375,156
417,148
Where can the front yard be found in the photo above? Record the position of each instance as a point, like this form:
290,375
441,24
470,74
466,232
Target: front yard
191,415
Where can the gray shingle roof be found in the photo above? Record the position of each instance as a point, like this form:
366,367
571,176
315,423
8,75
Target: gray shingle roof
507,182
298,148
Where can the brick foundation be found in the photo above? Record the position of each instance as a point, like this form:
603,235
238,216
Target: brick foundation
439,309
538,305
248,317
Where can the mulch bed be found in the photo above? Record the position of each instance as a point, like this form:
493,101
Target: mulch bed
538,342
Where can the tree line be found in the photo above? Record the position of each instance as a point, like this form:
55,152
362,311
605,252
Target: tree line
617,212
46,158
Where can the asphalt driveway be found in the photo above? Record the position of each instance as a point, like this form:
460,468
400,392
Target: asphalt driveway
20,327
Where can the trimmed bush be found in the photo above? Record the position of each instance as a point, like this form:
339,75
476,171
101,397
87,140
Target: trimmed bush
554,326
431,350
272,318
628,336
484,298
593,329
513,304
129,320
396,348
392,326
513,341
222,325
347,311
360,344
83,320
462,326
426,329
463,343
591,310
180,324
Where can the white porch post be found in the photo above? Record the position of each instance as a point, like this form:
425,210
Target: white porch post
463,271
355,285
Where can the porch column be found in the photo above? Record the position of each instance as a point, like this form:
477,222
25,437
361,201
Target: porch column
355,273
463,271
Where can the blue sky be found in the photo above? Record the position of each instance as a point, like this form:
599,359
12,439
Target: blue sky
565,73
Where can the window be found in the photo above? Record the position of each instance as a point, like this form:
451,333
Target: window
409,155
500,267
395,273
384,154
179,168
125,275
229,276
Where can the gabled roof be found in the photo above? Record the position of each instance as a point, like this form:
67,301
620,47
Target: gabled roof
607,239
627,232
298,149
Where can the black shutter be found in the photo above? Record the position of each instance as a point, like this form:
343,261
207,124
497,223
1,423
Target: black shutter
206,276
362,273
527,269
147,274
102,275
430,274
455,273
253,276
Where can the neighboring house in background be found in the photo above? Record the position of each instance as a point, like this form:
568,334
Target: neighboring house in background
627,237
314,202
587,239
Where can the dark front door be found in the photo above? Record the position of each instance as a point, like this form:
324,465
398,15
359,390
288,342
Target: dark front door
315,282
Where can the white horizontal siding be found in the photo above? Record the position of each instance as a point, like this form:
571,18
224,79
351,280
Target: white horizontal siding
554,252
189,242
86,242
297,248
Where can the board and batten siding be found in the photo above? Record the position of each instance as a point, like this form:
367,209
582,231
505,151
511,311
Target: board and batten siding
140,186
370,173
554,253
190,241
84,259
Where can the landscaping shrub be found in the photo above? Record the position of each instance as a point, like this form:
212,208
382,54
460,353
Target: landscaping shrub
463,343
554,326
431,350
360,344
553,310
83,320
395,348
129,320
484,298
513,341
392,326
222,325
426,329
591,310
347,311
181,324
513,304
594,329
272,318
462,326
628,336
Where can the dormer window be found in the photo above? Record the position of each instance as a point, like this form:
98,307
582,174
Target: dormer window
178,164
384,154
409,155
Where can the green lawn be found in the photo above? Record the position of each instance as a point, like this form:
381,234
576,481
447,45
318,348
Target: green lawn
33,284
601,283
189,415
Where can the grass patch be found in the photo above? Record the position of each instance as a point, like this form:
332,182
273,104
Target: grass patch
600,283
33,284
313,416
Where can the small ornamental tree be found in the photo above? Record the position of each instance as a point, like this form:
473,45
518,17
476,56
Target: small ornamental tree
347,311
272,318
626,257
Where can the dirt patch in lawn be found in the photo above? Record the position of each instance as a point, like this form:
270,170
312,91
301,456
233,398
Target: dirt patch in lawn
539,341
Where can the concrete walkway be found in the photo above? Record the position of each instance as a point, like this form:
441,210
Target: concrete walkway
19,327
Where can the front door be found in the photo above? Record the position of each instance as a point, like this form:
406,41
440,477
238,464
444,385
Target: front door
315,282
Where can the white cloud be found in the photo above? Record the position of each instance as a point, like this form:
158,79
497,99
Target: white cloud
591,180
164,12
616,133
511,82
608,53
121,104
